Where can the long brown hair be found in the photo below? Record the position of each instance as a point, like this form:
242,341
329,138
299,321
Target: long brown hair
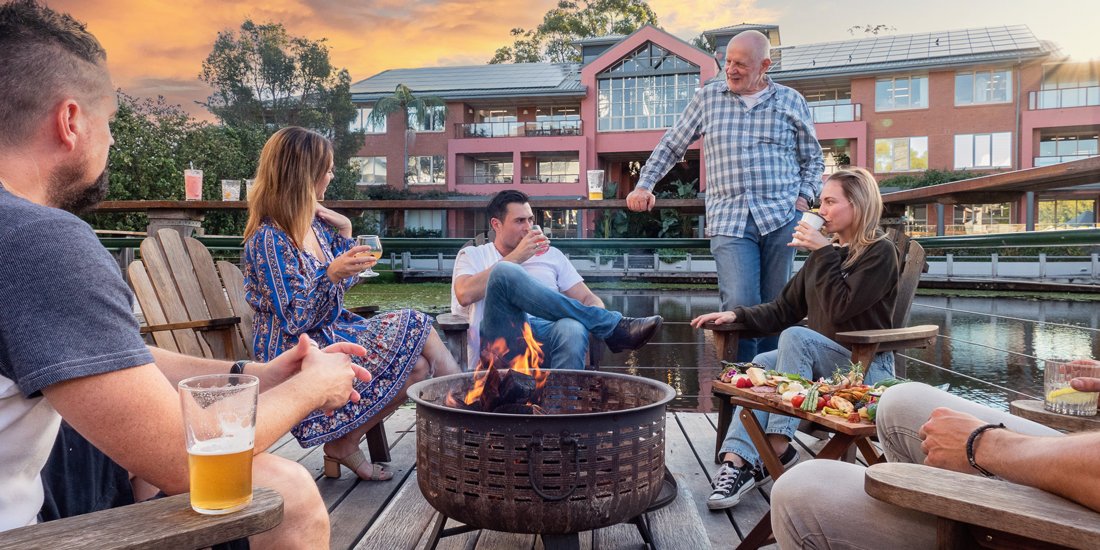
861,189
292,162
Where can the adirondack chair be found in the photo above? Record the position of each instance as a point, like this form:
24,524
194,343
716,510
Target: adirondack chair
976,511
195,306
455,326
863,344
161,523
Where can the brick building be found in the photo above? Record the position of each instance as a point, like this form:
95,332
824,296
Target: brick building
982,99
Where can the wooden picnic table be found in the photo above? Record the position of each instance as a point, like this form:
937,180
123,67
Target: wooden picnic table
845,434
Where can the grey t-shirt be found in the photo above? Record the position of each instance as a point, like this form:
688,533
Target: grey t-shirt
64,314
66,308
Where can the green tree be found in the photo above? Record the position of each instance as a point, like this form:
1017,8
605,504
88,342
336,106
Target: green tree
552,40
264,77
420,107
926,178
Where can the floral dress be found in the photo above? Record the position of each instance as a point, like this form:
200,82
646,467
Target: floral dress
291,294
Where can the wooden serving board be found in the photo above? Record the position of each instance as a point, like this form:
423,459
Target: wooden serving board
774,401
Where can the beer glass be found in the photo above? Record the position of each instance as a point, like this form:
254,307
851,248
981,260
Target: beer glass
595,185
375,245
219,418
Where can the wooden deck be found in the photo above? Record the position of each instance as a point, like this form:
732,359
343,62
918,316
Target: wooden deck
392,515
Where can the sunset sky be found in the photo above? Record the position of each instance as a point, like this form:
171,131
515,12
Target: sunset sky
156,47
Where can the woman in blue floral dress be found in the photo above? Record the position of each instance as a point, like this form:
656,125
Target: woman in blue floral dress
299,260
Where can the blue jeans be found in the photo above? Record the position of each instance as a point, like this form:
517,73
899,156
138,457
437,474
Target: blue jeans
752,270
562,324
811,355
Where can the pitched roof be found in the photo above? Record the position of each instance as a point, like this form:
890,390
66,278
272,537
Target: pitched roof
476,81
739,28
906,51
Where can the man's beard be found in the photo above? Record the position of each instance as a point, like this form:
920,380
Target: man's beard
66,195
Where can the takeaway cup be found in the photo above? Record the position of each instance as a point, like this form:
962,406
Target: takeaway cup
595,185
1059,396
813,219
192,184
231,190
219,418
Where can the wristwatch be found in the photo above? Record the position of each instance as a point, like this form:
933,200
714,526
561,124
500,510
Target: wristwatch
238,367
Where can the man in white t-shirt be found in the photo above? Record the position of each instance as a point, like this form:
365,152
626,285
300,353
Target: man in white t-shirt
519,278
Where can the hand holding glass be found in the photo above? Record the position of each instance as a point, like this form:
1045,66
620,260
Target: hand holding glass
545,245
219,418
375,245
1059,396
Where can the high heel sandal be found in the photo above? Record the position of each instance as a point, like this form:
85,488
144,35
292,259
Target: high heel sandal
353,462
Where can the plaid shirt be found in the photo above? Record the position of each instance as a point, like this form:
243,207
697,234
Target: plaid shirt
759,160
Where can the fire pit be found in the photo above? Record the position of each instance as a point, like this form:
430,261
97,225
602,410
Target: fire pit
594,457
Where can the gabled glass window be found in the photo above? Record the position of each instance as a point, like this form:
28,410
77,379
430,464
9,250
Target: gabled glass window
647,89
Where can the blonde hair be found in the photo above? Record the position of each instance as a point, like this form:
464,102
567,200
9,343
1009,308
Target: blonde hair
292,162
861,189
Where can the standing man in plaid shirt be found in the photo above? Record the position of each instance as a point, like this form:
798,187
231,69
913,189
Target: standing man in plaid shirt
764,165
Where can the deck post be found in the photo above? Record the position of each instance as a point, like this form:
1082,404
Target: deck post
950,264
993,265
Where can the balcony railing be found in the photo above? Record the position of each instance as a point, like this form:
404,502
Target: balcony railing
552,178
1048,161
836,113
1088,96
519,129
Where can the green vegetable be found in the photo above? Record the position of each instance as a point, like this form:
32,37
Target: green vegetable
871,410
890,382
810,404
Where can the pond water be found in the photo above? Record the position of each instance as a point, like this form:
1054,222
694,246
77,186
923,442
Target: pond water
988,352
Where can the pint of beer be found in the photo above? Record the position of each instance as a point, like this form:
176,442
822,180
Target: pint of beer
595,185
219,416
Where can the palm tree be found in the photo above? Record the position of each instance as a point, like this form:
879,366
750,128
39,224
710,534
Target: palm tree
402,101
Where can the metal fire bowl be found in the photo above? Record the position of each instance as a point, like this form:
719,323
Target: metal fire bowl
598,459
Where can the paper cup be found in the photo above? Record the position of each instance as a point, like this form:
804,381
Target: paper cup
814,220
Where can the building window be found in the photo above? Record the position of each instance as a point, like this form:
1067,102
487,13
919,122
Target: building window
554,169
361,123
983,214
983,150
372,170
425,223
1068,85
1065,147
903,92
973,88
558,224
435,120
427,170
1066,214
901,154
648,89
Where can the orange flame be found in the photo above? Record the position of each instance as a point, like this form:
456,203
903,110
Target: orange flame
528,363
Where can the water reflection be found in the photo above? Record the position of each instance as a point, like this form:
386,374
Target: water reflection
970,356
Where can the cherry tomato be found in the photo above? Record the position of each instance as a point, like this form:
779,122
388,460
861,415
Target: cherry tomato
821,402
796,402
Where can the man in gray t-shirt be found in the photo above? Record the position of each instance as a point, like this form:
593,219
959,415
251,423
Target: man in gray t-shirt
69,345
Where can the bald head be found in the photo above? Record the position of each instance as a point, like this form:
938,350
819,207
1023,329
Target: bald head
748,56
753,43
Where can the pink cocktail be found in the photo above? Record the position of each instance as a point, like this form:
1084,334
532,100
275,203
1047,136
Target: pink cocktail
192,184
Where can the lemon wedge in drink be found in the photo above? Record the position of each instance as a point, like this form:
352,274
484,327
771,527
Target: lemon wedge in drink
1070,396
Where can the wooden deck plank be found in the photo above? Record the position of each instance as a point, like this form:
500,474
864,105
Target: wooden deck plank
679,524
465,541
355,506
693,476
496,540
753,505
624,536
400,526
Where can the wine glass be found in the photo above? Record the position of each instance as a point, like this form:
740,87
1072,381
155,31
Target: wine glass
375,245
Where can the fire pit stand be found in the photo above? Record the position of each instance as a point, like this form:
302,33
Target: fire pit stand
595,459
